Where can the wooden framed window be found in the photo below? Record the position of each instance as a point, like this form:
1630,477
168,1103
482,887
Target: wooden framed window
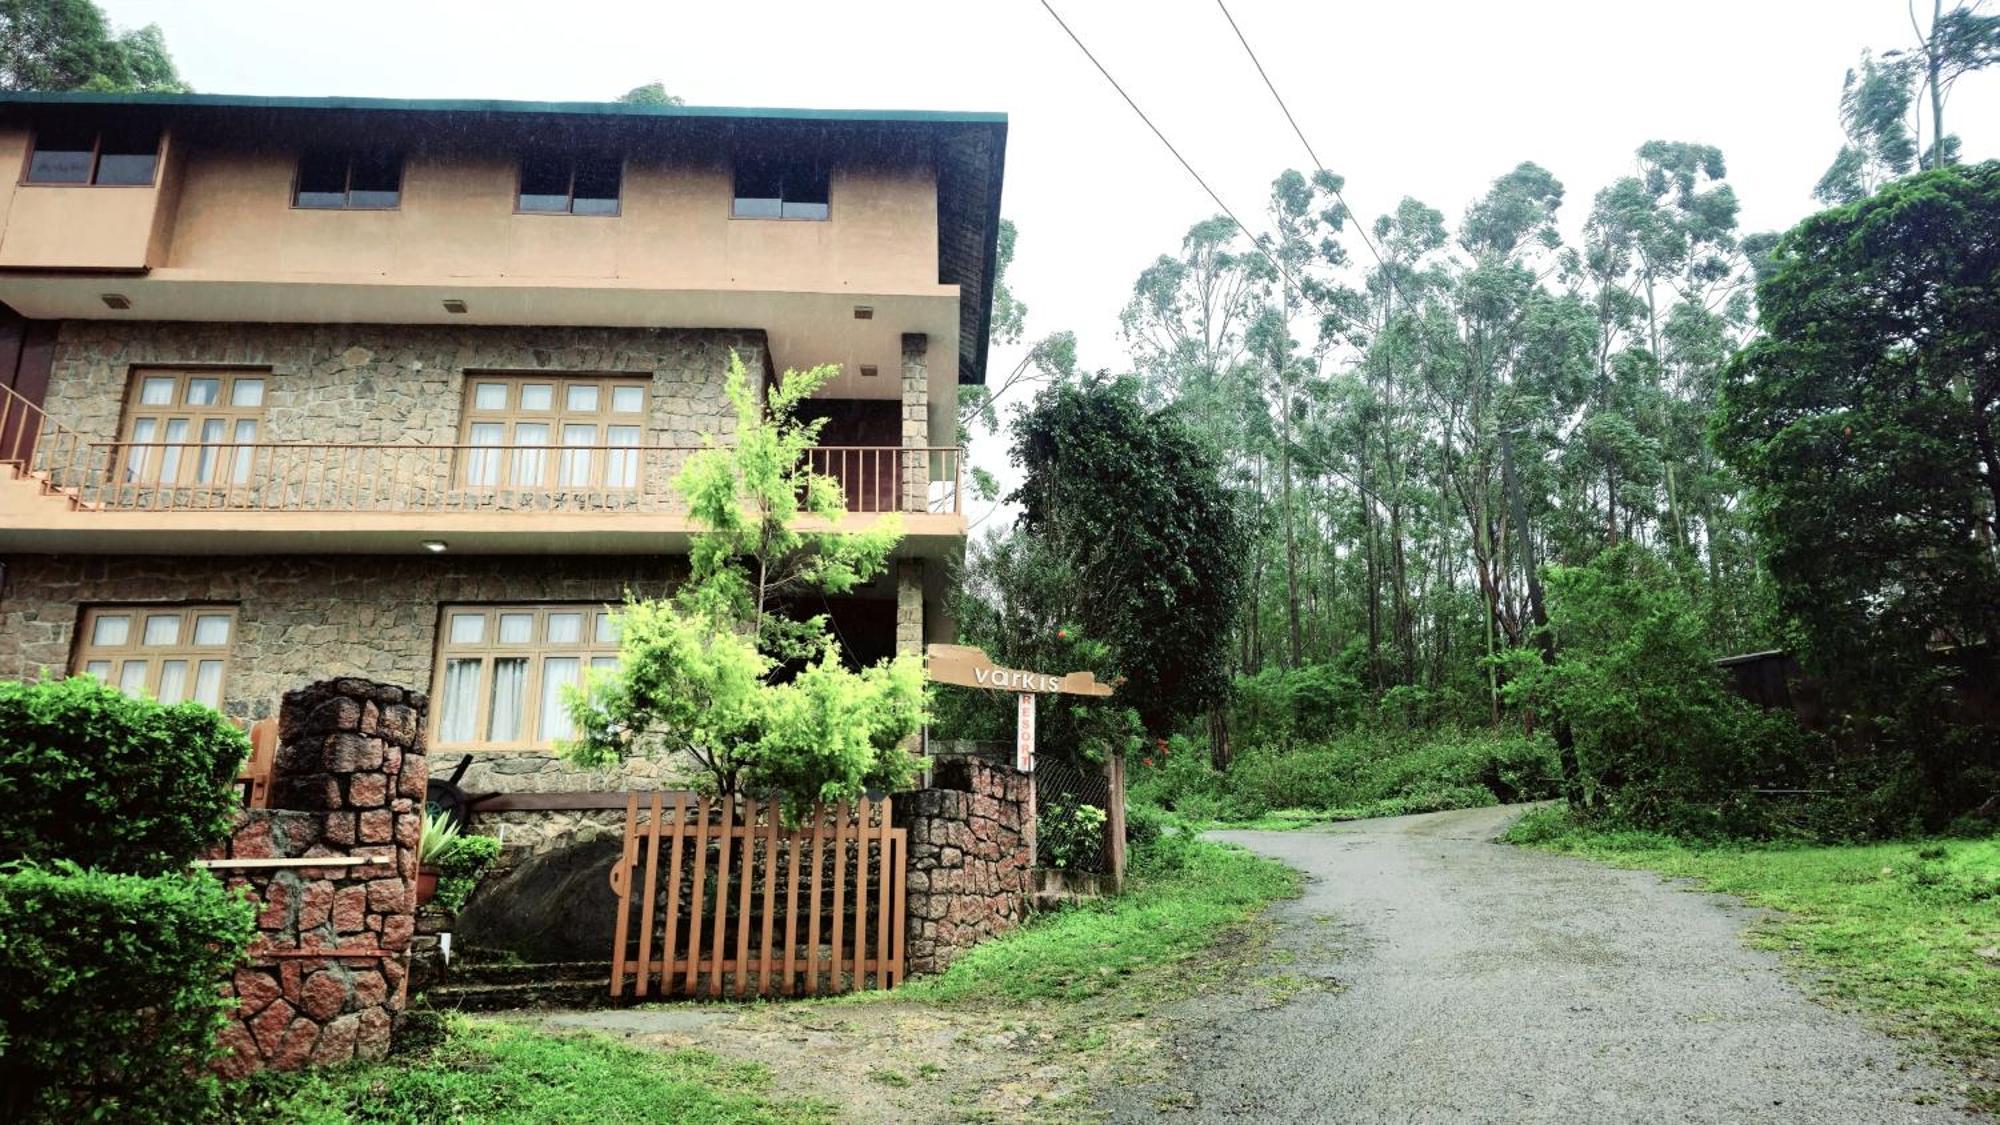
546,433
501,670
349,180
123,155
171,653
563,184
191,427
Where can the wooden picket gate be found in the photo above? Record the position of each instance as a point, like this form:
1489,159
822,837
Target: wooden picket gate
718,897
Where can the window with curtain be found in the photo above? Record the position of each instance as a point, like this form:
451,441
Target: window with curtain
192,427
538,432
501,671
171,653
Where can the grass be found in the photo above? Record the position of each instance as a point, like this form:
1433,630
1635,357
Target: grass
1163,920
486,1071
1909,931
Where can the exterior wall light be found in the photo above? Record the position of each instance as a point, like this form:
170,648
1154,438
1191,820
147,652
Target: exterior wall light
434,546
864,312
454,305
116,301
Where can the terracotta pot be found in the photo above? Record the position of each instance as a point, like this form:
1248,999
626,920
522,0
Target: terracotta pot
427,884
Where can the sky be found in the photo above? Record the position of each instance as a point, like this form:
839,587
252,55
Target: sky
1431,100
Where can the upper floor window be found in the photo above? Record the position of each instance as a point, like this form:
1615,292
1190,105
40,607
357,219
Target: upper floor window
780,188
501,670
349,180
514,427
575,185
115,156
171,653
192,427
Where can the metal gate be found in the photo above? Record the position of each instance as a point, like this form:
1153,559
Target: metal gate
720,897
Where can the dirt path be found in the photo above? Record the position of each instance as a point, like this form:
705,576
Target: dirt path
1430,975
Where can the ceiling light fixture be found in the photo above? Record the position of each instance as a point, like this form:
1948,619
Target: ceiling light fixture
434,546
116,301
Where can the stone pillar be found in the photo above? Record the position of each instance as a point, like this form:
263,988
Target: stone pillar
326,974
971,856
910,607
916,422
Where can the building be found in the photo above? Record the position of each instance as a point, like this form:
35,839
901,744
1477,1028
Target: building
298,387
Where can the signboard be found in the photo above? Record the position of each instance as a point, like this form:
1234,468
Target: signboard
1024,734
967,666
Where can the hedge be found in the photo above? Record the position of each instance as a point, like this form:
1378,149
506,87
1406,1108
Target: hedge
109,1006
90,775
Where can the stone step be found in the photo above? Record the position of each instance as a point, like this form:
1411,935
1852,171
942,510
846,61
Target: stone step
523,994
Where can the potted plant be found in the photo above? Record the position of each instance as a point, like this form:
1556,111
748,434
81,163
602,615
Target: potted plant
439,840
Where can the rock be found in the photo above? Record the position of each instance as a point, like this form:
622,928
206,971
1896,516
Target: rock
556,906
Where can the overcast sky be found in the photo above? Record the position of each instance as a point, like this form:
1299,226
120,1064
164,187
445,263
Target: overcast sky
1425,99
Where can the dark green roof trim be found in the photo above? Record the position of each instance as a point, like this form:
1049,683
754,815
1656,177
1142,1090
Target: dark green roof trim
500,106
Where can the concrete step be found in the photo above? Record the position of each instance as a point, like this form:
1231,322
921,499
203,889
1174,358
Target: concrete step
470,971
466,997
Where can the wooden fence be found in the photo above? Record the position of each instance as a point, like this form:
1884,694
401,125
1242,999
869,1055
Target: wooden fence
719,897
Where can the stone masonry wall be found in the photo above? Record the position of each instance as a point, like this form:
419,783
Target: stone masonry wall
972,845
916,421
326,973
390,382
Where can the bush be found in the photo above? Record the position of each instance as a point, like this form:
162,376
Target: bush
90,775
108,1002
1070,832
460,868
1360,773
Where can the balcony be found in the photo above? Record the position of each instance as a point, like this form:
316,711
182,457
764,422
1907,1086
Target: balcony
61,492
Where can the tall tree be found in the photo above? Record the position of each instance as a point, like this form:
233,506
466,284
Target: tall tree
69,45
1864,421
652,93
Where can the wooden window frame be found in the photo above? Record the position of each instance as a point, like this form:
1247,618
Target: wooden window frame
569,205
489,649
347,180
556,417
150,461
96,153
85,652
824,165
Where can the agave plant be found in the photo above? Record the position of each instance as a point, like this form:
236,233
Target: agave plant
439,840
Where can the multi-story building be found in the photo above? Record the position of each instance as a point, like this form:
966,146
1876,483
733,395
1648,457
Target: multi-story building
296,387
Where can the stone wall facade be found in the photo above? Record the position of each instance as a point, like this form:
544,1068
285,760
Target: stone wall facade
972,851
394,382
916,420
327,972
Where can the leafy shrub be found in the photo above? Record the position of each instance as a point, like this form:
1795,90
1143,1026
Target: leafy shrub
460,869
91,775
1279,706
1165,854
1362,772
108,1001
1068,834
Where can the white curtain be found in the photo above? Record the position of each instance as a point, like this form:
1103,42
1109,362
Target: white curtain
510,682
461,701
554,719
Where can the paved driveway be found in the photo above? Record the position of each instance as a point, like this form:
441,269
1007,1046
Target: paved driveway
1431,975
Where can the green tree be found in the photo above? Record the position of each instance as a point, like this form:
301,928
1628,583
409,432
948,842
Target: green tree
1874,113
1131,503
69,45
757,696
1864,423
652,93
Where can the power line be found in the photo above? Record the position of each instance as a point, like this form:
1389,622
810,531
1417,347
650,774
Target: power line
1359,228
1255,242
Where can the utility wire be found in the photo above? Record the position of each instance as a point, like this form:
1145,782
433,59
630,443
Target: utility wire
1359,227
1256,243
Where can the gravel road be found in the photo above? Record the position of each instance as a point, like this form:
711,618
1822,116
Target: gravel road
1431,975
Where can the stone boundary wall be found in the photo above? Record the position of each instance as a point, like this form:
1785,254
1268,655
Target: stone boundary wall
327,972
972,850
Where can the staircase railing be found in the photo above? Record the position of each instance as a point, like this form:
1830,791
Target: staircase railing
34,445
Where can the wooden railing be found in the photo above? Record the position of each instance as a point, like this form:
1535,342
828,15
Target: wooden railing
158,476
720,897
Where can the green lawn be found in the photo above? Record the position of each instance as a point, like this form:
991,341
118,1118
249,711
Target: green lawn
1909,931
1162,920
487,1071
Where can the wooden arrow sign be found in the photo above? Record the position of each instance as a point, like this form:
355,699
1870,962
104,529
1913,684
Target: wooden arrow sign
967,666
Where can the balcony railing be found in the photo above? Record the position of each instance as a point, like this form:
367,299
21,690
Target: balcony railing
406,477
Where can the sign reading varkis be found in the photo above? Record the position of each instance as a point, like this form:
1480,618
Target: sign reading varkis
967,666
